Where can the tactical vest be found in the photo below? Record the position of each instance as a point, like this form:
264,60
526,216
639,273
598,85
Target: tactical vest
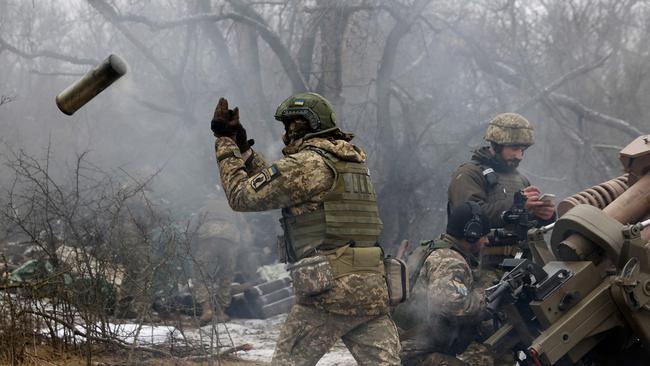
417,258
348,215
499,185
501,190
409,314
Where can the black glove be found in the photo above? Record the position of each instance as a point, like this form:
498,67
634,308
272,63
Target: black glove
225,123
243,143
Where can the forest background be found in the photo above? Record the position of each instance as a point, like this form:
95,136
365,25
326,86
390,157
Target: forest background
416,81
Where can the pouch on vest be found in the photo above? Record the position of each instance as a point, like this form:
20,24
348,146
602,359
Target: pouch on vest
348,259
311,276
397,280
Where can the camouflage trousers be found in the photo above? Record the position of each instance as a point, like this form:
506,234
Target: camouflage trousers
309,333
433,359
477,354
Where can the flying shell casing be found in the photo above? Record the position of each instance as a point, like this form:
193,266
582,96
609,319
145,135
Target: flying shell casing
83,90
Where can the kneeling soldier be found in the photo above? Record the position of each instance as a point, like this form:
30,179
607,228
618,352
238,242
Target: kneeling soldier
446,309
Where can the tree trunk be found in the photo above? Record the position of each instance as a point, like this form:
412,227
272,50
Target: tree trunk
335,16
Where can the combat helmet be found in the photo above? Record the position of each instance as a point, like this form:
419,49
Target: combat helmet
311,106
510,129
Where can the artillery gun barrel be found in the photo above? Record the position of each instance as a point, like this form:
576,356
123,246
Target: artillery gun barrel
629,207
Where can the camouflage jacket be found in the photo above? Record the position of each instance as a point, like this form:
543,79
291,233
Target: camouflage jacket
469,184
299,182
446,303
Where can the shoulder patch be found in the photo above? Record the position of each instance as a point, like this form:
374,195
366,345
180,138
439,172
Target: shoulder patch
458,285
264,177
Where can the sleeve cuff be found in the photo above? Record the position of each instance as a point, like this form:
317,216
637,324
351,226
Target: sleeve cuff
225,148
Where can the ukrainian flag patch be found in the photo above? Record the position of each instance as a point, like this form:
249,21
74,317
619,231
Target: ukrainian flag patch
299,102
264,177
272,171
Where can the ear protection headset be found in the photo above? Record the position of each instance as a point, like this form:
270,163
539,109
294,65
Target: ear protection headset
473,229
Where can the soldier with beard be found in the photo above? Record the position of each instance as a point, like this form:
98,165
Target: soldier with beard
491,177
331,226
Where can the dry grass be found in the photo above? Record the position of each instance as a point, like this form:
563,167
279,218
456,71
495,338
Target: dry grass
48,356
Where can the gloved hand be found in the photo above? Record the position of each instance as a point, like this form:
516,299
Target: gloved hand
225,123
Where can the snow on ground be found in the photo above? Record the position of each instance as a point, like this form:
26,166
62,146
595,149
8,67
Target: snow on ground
261,334
128,332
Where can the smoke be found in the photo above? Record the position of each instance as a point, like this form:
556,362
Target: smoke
455,65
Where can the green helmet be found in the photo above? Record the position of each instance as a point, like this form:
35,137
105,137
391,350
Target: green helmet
510,129
311,106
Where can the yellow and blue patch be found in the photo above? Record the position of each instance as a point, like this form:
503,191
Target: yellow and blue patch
264,177
299,102
458,284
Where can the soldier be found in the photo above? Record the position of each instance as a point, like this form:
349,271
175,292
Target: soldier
445,310
331,226
491,177
220,233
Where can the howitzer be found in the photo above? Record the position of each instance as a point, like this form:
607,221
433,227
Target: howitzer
592,306
518,282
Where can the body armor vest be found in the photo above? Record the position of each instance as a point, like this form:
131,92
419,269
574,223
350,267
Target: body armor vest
505,187
347,216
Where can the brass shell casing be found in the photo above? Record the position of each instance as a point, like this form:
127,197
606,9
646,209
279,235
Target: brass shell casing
83,90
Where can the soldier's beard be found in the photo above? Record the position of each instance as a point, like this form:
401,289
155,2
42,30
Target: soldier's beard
501,165
512,163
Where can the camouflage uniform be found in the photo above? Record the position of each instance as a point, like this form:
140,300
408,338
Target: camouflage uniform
220,233
446,307
355,309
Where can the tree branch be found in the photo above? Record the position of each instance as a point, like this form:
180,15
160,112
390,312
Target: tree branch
48,54
113,17
387,65
557,83
166,24
593,115
511,77
271,38
4,99
115,341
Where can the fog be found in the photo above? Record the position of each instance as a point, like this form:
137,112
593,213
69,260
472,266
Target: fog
416,81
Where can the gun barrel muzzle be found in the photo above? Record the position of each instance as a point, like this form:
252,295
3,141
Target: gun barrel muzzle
83,90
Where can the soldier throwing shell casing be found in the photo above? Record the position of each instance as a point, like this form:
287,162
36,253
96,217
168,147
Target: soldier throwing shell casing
331,226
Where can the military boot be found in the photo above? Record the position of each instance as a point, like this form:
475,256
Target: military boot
206,313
